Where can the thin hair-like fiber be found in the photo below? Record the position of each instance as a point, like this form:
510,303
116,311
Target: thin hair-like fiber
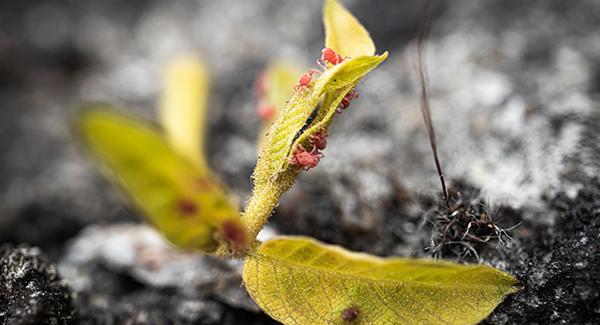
424,84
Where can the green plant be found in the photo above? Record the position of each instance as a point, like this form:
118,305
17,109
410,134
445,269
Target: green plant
295,280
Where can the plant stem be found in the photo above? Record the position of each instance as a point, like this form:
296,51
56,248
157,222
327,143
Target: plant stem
259,209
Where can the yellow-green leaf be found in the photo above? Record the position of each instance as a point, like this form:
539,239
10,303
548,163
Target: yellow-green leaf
190,207
279,81
308,111
297,280
183,107
276,87
344,33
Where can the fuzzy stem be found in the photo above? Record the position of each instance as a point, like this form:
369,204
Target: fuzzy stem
261,204
258,210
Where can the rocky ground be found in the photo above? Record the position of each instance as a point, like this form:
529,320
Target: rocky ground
514,90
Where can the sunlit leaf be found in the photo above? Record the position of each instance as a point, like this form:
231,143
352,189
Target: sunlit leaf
274,89
279,81
308,111
297,280
183,107
189,206
344,33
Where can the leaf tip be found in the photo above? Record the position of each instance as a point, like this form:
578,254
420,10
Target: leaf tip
344,33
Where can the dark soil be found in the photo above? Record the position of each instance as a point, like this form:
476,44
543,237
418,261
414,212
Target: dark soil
514,93
31,291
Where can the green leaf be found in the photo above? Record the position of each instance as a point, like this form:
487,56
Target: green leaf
297,280
183,108
277,86
273,174
279,81
309,111
186,204
344,33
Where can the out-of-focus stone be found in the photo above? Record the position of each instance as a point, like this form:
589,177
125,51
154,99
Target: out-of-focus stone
140,252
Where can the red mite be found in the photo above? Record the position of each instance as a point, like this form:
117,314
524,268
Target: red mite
306,79
306,159
265,111
352,94
319,139
329,56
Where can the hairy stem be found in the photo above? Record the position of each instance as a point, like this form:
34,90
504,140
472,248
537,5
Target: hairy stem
261,204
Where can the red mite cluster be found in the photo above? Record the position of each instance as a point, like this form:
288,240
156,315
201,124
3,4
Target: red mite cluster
307,159
328,57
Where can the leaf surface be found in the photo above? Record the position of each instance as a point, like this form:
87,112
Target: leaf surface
344,33
188,205
298,280
308,111
183,108
276,87
280,79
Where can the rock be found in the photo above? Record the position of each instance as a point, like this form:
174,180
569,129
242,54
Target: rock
558,266
31,292
147,306
140,253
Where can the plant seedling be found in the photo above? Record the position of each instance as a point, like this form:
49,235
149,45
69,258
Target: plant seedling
295,280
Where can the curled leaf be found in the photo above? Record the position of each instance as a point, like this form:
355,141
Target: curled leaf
344,33
183,107
187,205
296,118
297,280
309,111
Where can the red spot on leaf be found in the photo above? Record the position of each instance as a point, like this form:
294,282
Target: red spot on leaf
349,314
235,234
186,207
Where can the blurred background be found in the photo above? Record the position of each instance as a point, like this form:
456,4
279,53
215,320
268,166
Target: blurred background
514,90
